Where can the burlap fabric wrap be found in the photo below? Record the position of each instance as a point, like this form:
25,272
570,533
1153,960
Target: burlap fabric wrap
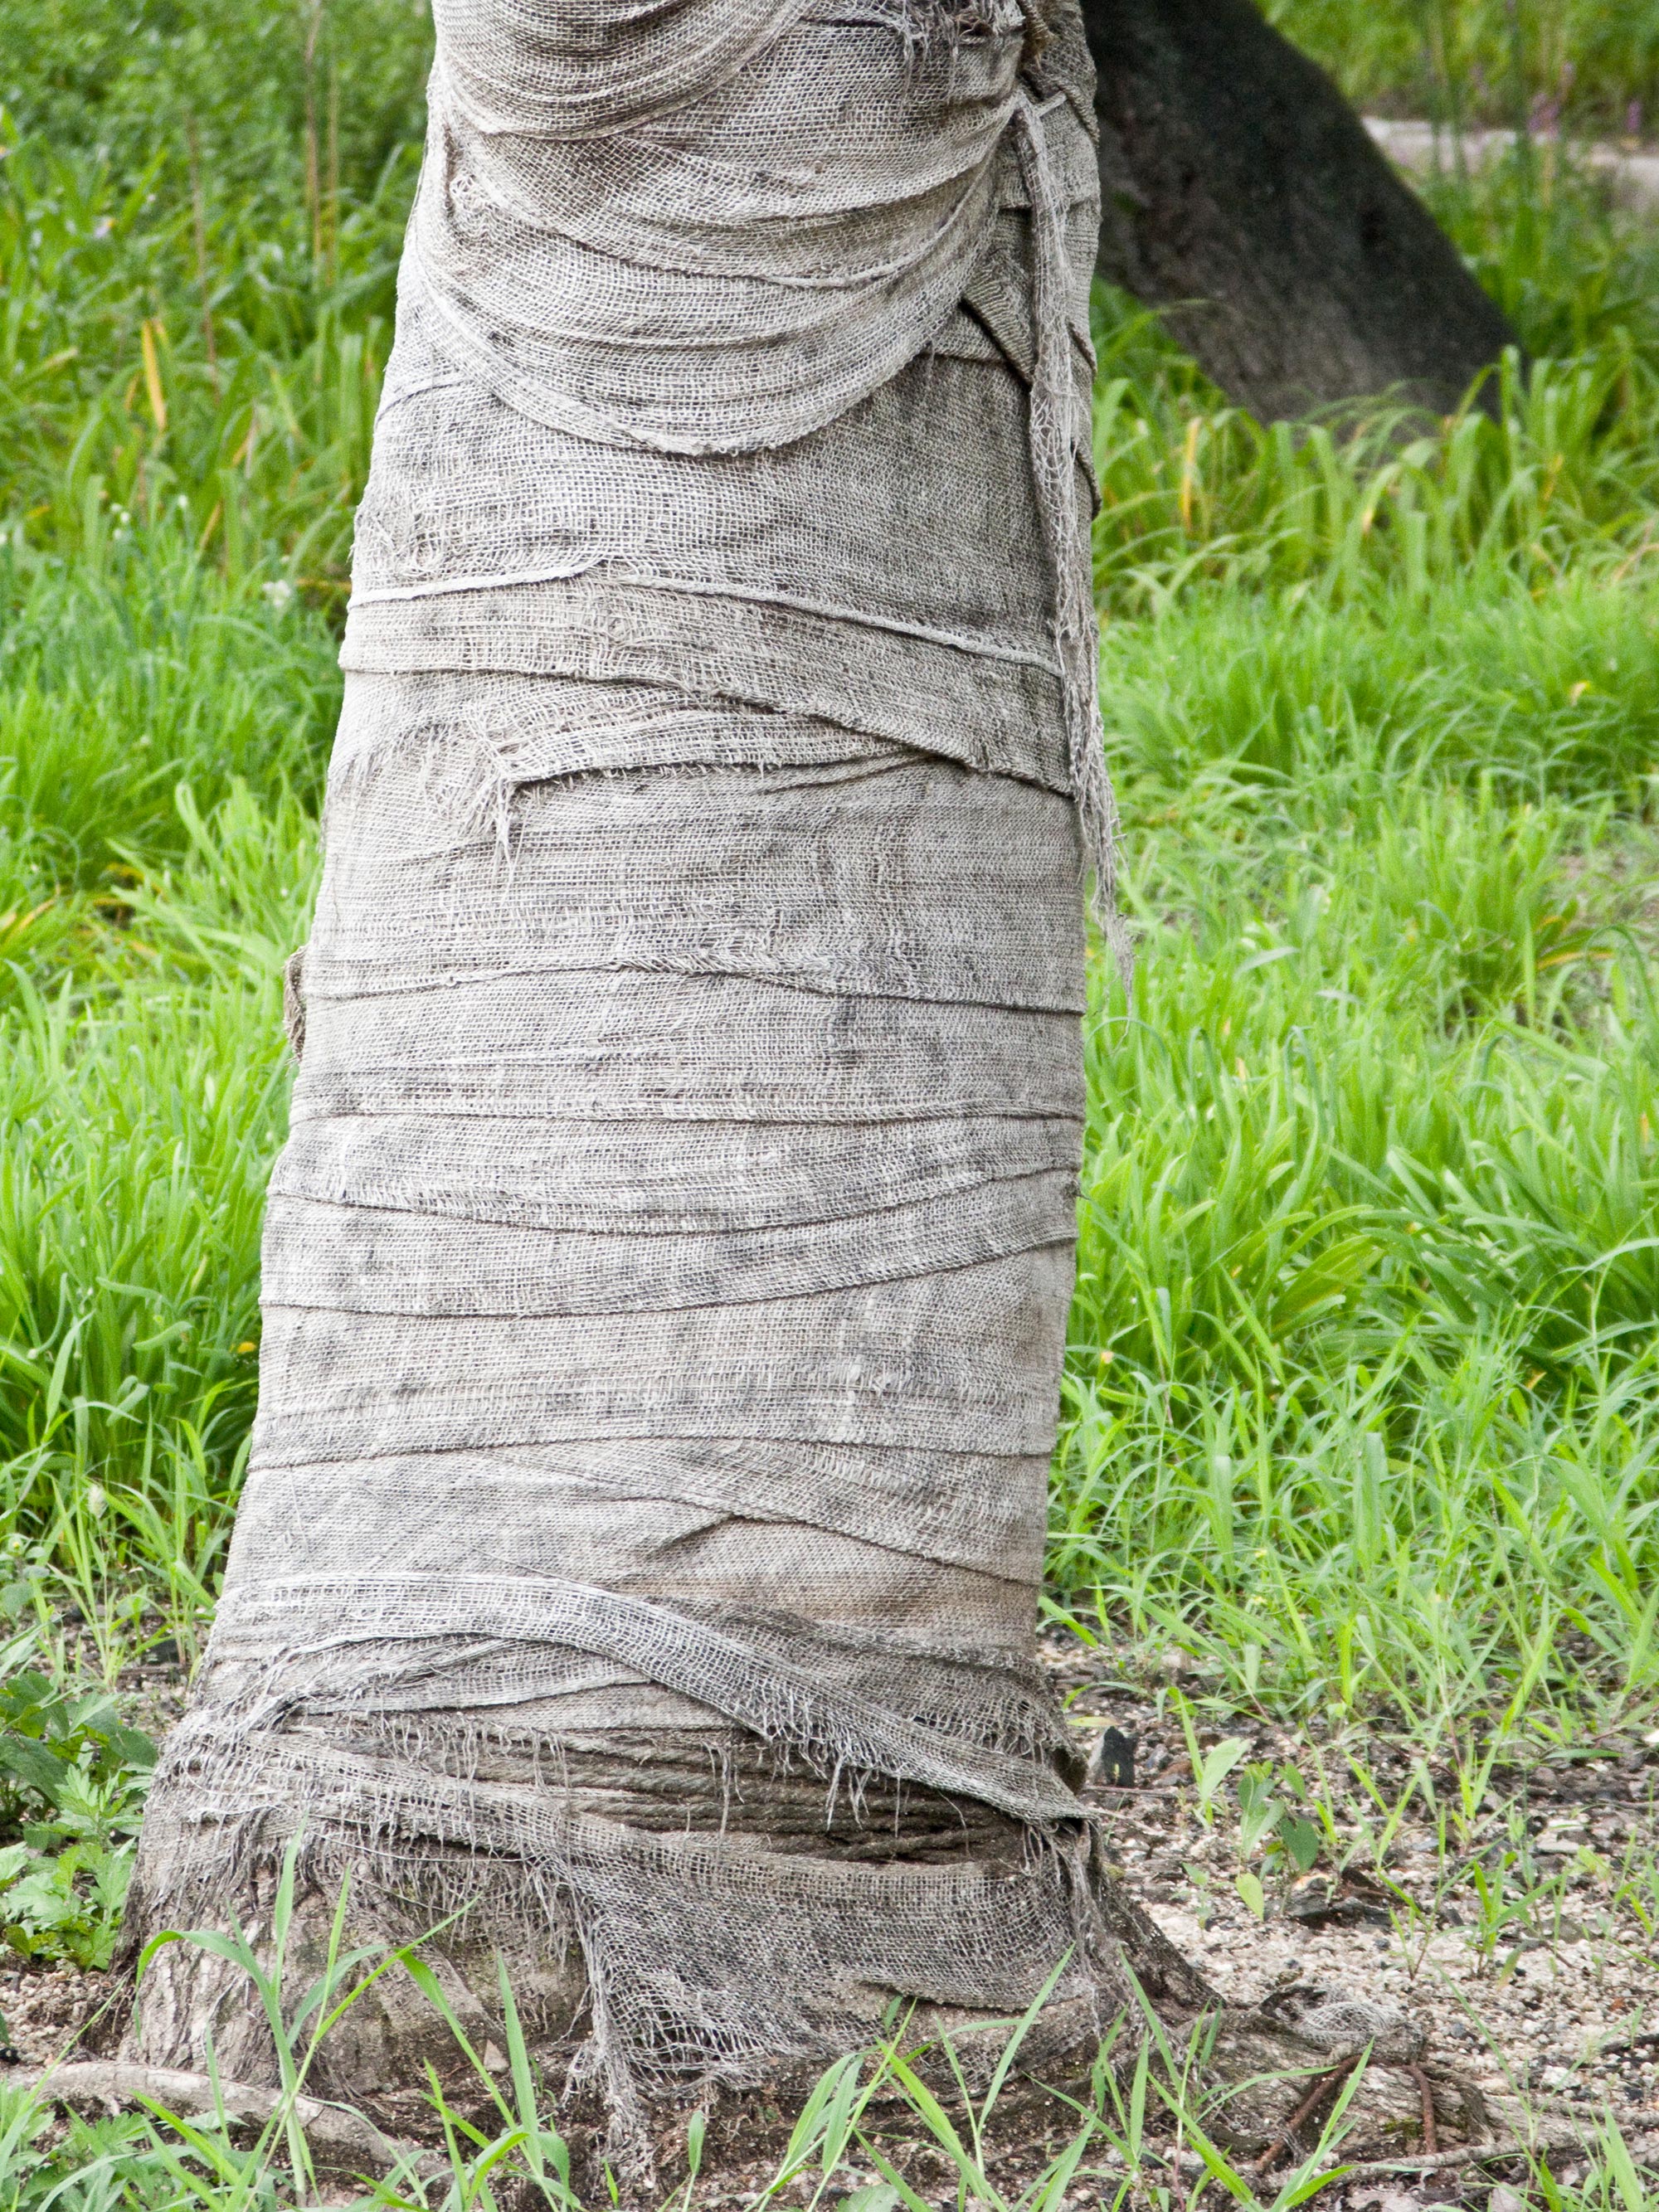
666,1274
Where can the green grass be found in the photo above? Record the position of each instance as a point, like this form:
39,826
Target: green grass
1359,1393
1596,62
1363,1398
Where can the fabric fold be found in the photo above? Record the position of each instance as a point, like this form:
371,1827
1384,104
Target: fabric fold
666,1274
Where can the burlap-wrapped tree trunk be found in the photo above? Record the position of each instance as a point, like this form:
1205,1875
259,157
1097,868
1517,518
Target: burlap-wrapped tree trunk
666,1275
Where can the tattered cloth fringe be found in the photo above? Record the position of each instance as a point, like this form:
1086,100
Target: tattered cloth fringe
319,1626
693,1378
708,1956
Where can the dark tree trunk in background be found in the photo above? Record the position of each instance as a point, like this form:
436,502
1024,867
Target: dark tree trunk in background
1245,198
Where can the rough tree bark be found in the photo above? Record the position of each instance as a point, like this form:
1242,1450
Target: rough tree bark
1244,197
666,1276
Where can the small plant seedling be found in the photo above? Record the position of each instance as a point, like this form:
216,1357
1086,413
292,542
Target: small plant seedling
72,1784
1285,1842
1210,1768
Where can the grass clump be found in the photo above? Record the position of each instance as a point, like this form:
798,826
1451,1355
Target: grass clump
1361,1392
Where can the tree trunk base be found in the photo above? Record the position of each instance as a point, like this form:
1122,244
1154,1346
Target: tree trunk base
1261,2082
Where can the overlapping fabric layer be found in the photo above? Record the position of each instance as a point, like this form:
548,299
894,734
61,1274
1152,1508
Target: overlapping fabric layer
666,1276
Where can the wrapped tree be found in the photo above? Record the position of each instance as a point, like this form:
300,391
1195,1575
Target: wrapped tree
666,1273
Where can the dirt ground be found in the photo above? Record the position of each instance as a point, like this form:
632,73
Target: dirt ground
1565,1999
1550,1984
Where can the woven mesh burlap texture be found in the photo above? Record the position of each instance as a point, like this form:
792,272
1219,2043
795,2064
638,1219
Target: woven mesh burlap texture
667,321
666,1276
